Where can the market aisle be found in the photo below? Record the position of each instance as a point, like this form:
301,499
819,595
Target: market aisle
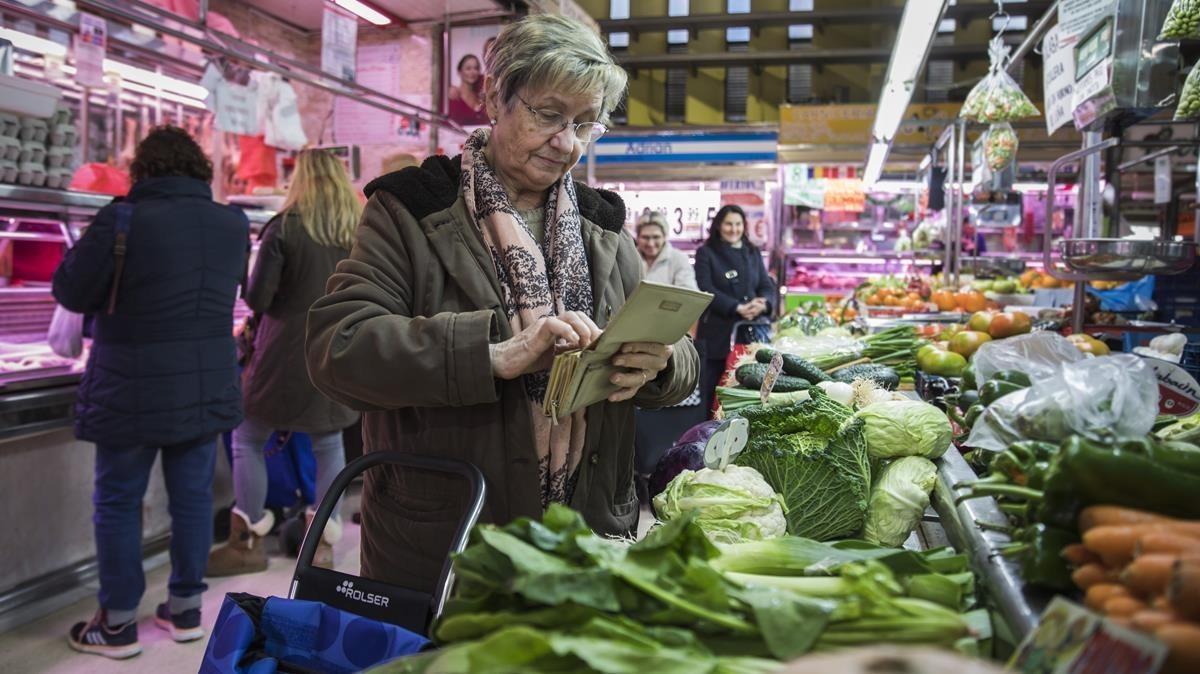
41,646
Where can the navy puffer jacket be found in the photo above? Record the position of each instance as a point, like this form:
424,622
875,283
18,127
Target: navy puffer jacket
163,366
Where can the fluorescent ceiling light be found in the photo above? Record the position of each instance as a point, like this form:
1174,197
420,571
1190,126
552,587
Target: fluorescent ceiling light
925,162
364,11
894,186
33,43
875,164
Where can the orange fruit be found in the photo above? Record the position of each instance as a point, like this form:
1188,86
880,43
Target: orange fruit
971,301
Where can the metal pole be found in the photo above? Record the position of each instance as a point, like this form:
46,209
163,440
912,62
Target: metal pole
84,142
158,120
1077,307
948,204
1196,222
962,179
1092,216
1035,35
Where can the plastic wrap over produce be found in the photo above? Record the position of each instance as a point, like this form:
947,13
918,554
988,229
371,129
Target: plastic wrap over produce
1097,398
1037,354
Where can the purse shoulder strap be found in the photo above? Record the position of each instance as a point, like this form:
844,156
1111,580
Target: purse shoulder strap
124,217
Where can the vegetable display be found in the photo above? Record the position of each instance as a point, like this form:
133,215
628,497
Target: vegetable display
897,428
814,454
1183,21
751,376
732,505
997,98
1189,97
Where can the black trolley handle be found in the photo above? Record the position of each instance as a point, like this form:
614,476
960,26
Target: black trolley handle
437,464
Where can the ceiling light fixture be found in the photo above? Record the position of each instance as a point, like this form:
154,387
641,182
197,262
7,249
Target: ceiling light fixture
918,26
364,11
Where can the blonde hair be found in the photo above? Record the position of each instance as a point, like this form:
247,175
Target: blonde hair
323,198
652,219
547,52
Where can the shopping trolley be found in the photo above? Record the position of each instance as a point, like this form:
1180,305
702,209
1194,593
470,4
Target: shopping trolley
332,621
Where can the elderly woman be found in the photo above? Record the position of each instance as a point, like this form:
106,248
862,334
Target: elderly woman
466,276
661,262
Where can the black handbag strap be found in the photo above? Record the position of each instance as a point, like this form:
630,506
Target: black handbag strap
124,218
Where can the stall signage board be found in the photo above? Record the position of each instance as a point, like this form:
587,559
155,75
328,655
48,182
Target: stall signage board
688,212
1071,639
1076,17
799,189
1058,79
686,147
851,124
1178,392
339,38
90,47
749,195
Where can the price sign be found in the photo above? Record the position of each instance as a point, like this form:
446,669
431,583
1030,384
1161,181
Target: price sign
1058,79
773,371
1071,639
1178,392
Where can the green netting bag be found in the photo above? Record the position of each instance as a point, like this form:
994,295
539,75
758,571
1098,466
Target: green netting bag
1183,21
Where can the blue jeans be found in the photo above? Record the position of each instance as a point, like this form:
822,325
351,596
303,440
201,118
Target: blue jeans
250,465
121,477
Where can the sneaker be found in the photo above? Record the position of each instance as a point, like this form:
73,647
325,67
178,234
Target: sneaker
95,636
182,626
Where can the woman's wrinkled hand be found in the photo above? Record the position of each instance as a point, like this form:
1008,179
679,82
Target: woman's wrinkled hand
644,360
533,349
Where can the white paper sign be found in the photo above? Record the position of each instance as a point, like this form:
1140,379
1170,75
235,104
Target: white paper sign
1058,79
339,37
1075,17
359,123
90,47
1093,83
1162,180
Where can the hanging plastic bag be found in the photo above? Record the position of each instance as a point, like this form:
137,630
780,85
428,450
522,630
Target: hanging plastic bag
1183,20
66,333
1098,398
1000,146
997,98
1189,98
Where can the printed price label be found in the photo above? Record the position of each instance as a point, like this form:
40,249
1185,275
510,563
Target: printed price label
773,371
1178,392
1069,638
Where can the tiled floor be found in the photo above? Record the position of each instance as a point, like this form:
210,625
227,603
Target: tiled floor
41,645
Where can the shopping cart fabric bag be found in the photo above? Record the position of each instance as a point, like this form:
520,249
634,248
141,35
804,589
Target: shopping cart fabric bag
254,635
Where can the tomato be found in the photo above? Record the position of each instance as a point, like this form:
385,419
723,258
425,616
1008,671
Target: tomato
1089,344
1009,324
980,321
942,363
967,342
944,299
971,301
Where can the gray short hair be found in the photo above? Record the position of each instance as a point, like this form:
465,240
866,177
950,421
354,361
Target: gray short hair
553,52
652,219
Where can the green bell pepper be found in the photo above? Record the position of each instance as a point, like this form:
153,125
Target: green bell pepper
1013,377
996,389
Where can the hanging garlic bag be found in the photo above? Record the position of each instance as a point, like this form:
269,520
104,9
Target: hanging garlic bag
1183,21
997,98
1000,146
1189,98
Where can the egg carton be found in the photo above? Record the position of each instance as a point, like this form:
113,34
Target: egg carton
59,178
33,128
32,152
10,148
10,124
32,174
8,171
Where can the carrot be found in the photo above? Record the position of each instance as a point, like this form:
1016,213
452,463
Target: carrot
1163,541
1123,607
1151,619
1149,574
1183,640
1115,543
1098,594
1183,590
1090,574
1107,515
1078,554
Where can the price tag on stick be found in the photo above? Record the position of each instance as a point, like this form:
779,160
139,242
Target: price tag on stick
773,371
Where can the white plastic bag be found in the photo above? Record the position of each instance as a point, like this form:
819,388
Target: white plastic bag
66,333
1098,398
1038,354
997,98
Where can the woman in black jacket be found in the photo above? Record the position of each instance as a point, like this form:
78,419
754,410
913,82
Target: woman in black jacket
301,246
731,268
162,375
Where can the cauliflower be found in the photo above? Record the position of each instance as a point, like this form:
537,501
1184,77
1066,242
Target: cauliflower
732,505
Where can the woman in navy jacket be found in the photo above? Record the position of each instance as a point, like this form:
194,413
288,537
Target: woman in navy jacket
731,268
162,375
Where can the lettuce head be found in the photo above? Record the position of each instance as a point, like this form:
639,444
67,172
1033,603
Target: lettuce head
898,499
896,428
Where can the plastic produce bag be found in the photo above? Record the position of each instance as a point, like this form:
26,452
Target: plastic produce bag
1038,354
1183,20
997,98
1189,97
66,333
1000,146
1133,296
1098,398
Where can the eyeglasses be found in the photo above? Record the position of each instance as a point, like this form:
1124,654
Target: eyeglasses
551,122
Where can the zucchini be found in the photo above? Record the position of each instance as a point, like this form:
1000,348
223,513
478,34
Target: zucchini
751,376
883,375
794,366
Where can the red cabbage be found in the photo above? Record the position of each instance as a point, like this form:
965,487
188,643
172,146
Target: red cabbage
681,457
701,432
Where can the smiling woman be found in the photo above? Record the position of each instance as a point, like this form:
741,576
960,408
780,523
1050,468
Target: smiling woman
467,275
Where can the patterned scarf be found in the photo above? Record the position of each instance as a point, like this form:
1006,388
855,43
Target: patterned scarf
535,281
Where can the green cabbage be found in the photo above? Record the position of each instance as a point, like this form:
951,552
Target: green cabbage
898,499
905,428
732,505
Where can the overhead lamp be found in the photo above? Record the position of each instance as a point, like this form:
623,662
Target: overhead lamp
39,45
925,162
875,161
918,27
364,11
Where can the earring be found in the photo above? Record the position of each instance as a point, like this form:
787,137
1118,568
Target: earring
493,121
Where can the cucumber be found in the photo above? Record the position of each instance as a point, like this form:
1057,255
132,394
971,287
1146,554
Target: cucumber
794,366
883,375
751,376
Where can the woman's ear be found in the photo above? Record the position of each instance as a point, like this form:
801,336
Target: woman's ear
491,98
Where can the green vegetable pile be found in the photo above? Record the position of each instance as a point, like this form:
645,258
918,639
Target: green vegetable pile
1189,98
814,454
997,98
897,428
1000,146
551,596
733,504
1183,21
